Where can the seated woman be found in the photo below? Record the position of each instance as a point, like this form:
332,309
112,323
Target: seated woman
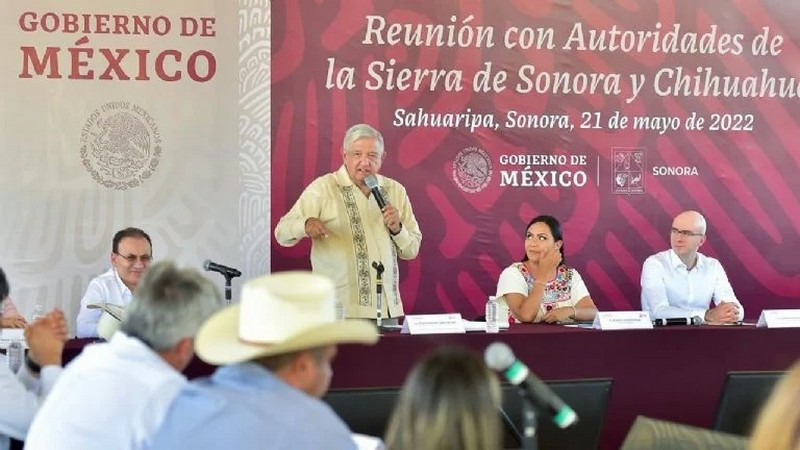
778,424
541,288
450,400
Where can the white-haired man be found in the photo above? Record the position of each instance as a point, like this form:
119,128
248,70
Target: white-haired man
349,231
115,394
275,348
681,282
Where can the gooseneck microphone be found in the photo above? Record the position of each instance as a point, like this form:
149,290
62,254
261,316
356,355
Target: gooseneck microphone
372,183
228,272
499,357
677,321
378,266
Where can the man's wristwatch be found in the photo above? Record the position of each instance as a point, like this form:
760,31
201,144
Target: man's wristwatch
33,366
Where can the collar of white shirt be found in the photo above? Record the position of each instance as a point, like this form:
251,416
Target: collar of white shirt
676,263
122,286
342,177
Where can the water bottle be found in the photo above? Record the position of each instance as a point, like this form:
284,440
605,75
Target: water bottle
38,312
492,313
341,313
14,355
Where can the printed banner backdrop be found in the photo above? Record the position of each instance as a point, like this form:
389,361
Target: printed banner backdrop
148,114
611,116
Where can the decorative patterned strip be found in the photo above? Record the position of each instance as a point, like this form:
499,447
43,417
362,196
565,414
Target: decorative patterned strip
359,246
395,287
395,276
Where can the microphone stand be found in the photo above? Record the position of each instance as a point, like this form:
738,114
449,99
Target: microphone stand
529,425
228,278
378,266
511,429
227,272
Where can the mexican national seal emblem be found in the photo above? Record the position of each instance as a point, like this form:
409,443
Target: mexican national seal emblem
120,145
472,170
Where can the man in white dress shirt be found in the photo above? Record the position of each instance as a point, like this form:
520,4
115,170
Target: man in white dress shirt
114,395
23,392
131,254
682,282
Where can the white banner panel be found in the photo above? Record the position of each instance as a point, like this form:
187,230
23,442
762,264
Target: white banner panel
149,114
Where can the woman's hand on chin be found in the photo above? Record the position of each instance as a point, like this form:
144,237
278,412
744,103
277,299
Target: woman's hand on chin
548,262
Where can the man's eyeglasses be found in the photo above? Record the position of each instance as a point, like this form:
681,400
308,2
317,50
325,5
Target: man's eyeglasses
684,233
145,259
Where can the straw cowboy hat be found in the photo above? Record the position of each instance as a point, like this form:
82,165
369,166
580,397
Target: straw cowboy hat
279,313
110,318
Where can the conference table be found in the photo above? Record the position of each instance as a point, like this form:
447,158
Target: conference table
672,373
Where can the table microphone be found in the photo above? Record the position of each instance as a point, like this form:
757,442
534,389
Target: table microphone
677,321
499,357
211,266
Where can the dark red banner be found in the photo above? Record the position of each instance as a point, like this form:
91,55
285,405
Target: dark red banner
611,116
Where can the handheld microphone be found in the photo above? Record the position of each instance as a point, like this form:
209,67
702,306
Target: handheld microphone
499,357
677,321
372,183
210,266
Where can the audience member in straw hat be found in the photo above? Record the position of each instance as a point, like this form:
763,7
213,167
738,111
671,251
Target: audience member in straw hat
778,425
275,348
450,400
21,393
114,395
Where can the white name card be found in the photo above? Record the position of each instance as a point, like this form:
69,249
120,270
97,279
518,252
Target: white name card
779,318
622,320
433,324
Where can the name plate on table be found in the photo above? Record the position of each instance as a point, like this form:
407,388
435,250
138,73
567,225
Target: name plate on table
433,324
622,320
779,318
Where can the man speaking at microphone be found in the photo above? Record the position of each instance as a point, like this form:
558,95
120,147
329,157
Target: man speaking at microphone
351,225
682,282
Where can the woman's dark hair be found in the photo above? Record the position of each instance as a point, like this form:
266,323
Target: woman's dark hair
4,289
555,230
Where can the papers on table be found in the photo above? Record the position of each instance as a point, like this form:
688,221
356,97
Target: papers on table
471,325
364,442
12,334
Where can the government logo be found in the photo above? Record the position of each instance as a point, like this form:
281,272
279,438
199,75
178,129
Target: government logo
629,168
472,170
120,145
